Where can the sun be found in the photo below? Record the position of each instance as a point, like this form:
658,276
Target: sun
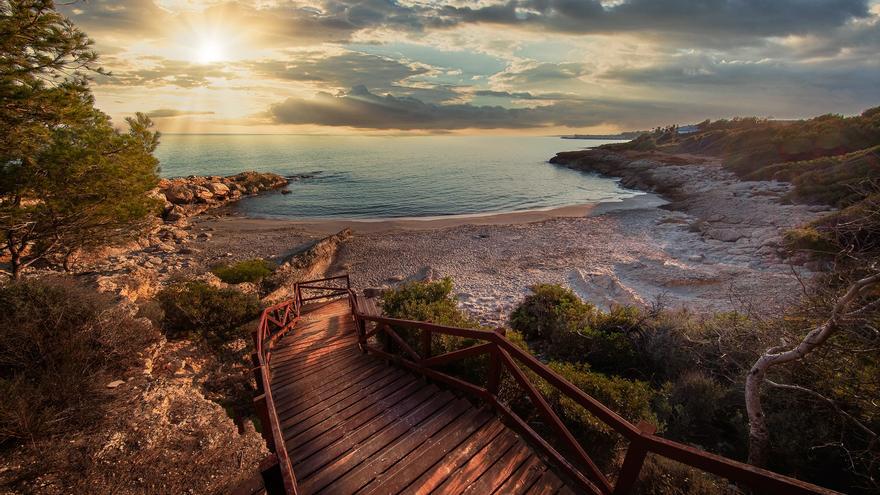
210,51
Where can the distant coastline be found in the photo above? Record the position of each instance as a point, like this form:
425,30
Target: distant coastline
624,135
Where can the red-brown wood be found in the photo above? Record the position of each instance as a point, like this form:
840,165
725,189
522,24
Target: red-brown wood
341,421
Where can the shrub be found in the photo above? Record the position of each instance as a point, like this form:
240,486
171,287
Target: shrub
197,308
244,271
692,404
631,399
570,329
432,302
541,313
59,346
661,476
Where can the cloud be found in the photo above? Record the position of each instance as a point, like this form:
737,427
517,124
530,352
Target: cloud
337,20
706,18
360,108
162,72
162,113
537,73
341,71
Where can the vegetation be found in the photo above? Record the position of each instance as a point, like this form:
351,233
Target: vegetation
68,179
685,374
252,271
197,309
60,344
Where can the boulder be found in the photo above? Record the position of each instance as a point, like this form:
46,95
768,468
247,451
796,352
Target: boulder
175,213
218,188
204,195
179,194
725,235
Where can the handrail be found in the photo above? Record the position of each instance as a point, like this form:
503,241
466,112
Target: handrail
276,321
504,354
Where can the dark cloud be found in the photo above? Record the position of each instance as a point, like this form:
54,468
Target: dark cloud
170,112
360,108
709,18
712,21
708,72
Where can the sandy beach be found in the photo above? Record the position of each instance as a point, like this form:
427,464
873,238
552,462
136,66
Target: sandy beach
638,251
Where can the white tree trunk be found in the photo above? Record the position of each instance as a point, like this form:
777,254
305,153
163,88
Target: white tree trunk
759,435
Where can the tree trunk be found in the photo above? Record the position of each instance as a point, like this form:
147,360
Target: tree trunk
759,434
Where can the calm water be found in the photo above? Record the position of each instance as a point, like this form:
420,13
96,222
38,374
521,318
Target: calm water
384,177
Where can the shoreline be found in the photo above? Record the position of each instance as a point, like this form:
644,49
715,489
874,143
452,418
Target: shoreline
641,200
697,238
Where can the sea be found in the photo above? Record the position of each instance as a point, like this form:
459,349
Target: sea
385,177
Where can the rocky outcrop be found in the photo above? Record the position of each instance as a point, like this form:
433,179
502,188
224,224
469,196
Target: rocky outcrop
741,222
313,262
188,196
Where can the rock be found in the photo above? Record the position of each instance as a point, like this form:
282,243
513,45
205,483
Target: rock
286,191
725,235
603,289
115,383
204,195
696,257
218,188
179,194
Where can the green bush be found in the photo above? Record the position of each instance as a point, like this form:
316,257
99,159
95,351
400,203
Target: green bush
570,329
628,398
543,312
60,344
196,308
244,271
433,302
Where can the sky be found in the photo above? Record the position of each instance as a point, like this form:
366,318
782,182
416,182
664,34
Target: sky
487,66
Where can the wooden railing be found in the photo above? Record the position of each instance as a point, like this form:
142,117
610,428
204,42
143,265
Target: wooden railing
504,356
275,322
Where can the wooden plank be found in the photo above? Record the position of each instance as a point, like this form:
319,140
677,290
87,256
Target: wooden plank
332,370
496,475
547,484
356,479
349,406
382,416
312,391
381,378
454,460
433,450
333,471
478,464
353,424
307,396
523,478
282,372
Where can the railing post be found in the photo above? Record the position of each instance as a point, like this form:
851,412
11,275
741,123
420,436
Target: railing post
265,425
632,463
494,379
258,372
273,481
426,343
386,340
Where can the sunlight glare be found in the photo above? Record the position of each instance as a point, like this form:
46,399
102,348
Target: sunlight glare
210,51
